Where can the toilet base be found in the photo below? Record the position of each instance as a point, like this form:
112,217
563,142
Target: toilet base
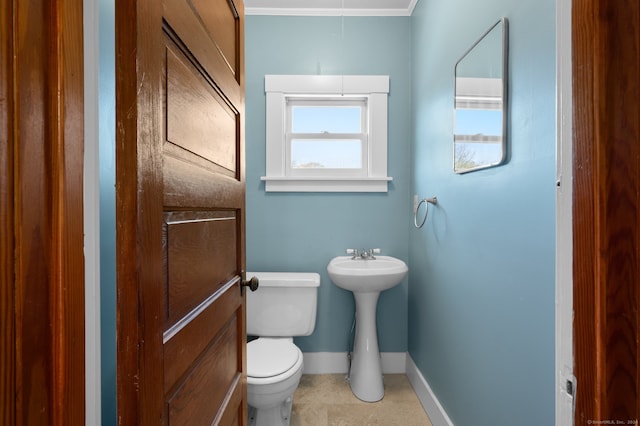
280,415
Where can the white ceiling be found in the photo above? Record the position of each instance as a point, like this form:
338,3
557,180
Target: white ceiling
330,7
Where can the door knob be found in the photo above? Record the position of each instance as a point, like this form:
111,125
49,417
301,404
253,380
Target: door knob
252,283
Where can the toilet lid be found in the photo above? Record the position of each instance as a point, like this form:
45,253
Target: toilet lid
270,357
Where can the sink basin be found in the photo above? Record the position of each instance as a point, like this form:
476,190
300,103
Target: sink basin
370,275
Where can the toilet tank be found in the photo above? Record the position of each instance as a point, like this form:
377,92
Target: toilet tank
284,304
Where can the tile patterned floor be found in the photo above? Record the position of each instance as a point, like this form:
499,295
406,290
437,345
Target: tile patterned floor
326,400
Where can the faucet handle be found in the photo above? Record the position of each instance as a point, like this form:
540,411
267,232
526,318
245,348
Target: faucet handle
353,252
372,252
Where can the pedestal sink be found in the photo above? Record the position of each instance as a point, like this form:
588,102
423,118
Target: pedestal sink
366,278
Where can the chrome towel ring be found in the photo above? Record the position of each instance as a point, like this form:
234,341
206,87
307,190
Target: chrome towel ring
426,202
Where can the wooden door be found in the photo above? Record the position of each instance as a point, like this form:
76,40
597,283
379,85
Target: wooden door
41,212
180,212
606,210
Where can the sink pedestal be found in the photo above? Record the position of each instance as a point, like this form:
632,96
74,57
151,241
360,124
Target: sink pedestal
366,368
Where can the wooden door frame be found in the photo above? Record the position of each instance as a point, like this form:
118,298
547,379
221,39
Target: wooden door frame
41,213
7,243
606,201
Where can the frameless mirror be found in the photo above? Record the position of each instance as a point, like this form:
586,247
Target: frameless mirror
480,104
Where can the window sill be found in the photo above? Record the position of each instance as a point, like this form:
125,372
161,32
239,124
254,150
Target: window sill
322,184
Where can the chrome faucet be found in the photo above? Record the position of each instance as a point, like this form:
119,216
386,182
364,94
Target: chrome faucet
363,254
369,254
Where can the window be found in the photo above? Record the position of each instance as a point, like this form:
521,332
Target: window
326,137
326,133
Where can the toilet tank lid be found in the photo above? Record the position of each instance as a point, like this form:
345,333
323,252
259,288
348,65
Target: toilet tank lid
286,279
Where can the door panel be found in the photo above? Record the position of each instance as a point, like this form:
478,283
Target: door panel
196,113
202,247
201,258
196,31
196,399
219,19
188,318
184,342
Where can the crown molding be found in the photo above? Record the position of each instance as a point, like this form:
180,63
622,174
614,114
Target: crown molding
319,8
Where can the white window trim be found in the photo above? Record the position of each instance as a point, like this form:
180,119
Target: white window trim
278,87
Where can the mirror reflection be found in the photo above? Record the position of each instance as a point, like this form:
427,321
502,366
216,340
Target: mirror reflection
480,102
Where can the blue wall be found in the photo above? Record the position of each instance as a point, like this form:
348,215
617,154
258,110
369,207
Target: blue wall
303,231
107,140
481,284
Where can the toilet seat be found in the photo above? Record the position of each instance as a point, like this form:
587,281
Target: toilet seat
271,357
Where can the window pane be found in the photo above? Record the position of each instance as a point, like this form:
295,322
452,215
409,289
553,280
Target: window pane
331,119
318,154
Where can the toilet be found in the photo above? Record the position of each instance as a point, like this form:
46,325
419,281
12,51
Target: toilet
284,306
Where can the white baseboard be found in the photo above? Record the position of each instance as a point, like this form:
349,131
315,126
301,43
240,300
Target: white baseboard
336,362
394,362
430,403
325,363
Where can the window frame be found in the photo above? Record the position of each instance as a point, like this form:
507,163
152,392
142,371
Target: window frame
280,89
